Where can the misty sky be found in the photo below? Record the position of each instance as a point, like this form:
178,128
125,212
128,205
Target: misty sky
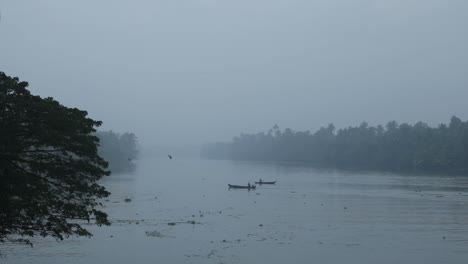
190,71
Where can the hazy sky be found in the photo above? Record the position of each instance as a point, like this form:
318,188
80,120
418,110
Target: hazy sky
191,71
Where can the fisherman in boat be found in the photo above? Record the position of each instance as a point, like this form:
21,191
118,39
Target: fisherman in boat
248,185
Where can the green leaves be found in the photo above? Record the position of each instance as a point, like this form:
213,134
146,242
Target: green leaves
49,166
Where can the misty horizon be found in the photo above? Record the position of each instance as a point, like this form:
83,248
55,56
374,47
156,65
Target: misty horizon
190,72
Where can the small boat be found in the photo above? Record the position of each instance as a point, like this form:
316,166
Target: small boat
241,186
264,182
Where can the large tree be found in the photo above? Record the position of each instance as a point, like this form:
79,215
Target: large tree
49,166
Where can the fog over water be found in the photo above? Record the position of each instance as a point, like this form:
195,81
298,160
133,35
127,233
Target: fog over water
182,72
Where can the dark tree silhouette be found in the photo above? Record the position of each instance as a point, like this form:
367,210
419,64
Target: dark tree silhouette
49,166
397,147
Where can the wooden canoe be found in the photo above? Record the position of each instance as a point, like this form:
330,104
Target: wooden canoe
241,186
264,182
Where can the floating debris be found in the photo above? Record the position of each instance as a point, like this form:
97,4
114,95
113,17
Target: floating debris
171,223
127,200
155,233
122,221
212,253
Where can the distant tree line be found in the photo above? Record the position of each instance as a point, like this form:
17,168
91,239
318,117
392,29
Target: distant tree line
119,150
395,147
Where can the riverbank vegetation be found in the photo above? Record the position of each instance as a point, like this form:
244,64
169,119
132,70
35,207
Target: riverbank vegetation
395,147
119,150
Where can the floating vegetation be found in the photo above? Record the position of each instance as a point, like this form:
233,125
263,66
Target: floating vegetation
122,221
156,233
212,253
192,222
353,245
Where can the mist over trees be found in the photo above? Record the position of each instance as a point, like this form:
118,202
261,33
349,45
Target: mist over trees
119,150
395,147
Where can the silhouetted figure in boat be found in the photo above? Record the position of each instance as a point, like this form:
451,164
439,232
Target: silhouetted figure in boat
170,157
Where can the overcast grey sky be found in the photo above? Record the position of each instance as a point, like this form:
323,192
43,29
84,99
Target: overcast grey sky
191,71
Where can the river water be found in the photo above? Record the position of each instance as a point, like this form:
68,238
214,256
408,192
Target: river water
181,211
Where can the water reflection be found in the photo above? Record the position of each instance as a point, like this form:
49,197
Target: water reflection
181,211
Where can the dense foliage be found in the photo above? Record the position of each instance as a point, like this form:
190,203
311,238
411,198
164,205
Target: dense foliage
49,166
118,149
395,147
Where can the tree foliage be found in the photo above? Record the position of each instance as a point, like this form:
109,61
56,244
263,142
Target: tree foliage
49,166
396,147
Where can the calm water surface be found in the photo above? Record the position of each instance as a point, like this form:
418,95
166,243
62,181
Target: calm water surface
181,211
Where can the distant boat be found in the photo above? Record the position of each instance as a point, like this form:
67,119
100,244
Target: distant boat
264,182
170,157
241,186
